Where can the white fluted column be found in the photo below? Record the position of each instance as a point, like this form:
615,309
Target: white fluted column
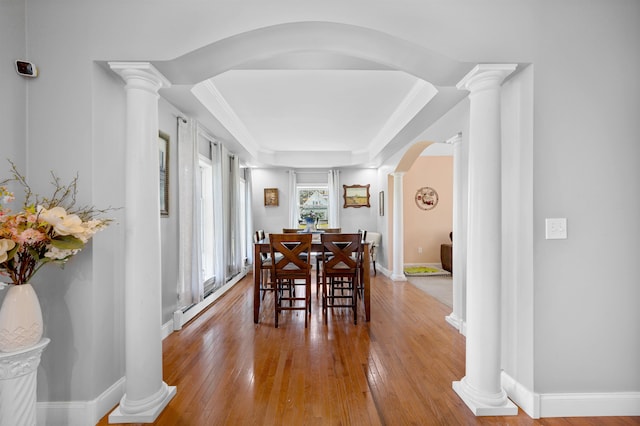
455,318
481,389
398,228
18,379
146,395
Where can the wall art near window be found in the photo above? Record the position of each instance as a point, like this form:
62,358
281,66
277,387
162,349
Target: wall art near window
163,149
381,203
356,195
271,196
426,198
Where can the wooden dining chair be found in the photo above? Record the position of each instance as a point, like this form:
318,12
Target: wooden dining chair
363,238
319,257
341,263
287,272
266,283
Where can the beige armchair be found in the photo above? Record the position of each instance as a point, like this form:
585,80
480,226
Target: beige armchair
374,238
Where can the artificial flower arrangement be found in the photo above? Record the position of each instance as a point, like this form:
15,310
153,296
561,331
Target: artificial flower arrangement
47,230
309,215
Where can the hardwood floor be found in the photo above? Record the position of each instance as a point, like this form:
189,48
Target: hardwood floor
395,370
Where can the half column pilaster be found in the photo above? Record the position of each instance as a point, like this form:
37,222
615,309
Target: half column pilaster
481,389
146,394
456,317
398,228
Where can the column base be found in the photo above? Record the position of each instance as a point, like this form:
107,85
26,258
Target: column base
454,321
398,277
485,405
149,415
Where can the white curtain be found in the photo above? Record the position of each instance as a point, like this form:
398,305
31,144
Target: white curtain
228,207
190,285
334,198
294,215
218,212
234,263
249,208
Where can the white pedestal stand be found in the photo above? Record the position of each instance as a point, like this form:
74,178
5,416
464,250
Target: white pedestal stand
18,372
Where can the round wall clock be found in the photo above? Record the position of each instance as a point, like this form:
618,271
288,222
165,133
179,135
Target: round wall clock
426,198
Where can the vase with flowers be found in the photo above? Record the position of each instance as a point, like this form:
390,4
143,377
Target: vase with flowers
47,230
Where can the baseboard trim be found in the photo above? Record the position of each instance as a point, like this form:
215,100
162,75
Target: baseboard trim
383,270
80,412
571,404
184,317
454,321
90,412
590,404
524,398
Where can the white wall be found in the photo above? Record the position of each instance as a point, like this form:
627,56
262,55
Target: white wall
167,122
585,157
354,218
517,231
13,102
107,304
270,218
273,219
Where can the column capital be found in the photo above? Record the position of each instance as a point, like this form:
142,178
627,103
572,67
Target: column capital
141,75
484,76
398,174
455,139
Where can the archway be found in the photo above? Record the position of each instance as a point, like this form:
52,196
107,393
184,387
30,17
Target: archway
374,49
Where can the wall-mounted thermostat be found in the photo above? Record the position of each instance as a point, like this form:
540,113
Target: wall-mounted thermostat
26,69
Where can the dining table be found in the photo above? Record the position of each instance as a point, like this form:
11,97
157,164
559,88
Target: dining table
262,246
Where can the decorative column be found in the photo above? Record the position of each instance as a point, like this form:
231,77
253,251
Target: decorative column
398,228
481,389
456,317
146,395
18,379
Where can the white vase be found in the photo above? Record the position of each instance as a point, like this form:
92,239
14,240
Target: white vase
20,318
310,225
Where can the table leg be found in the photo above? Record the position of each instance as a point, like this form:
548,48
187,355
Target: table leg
366,278
257,270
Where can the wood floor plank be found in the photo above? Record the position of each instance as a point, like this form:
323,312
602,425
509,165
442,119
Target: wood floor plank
396,369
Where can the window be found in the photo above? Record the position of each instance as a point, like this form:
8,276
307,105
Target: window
206,219
243,219
314,199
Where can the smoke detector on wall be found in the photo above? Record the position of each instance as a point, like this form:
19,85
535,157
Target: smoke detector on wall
26,69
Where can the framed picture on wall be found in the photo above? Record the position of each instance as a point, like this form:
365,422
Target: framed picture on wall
356,195
381,203
163,149
271,196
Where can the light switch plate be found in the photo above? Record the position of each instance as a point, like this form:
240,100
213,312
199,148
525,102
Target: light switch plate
556,228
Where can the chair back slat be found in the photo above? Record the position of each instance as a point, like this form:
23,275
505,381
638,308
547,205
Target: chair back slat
342,253
295,251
